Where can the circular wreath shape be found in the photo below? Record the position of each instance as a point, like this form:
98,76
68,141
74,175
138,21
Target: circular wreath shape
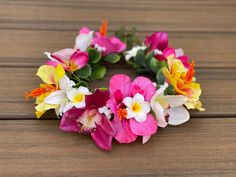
160,95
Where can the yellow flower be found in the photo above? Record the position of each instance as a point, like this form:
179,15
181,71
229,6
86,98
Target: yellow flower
183,82
50,76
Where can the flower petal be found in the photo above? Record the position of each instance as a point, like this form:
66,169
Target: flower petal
120,82
78,60
158,40
138,98
146,138
55,97
107,126
84,40
102,139
160,115
63,55
143,86
123,131
128,101
145,128
65,83
178,115
68,121
175,100
98,98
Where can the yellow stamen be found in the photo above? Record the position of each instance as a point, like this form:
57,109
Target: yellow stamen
78,98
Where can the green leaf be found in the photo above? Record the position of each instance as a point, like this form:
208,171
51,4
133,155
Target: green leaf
112,58
140,57
133,64
84,72
149,57
154,65
160,78
142,71
94,55
81,83
98,72
170,90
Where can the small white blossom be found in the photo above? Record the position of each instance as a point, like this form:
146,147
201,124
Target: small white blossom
133,52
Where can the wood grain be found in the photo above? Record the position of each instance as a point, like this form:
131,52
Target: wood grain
218,85
146,15
208,49
198,148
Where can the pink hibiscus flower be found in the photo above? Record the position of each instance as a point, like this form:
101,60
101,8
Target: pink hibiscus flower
88,120
108,44
129,101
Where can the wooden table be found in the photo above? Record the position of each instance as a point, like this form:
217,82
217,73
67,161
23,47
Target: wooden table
205,146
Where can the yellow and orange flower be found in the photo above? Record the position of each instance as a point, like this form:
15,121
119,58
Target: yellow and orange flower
183,82
50,76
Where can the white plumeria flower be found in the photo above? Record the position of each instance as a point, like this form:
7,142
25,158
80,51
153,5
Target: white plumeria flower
169,109
137,108
83,41
106,111
133,52
77,96
99,48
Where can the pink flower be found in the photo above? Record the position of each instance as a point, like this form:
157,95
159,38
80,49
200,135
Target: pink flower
129,103
157,42
177,54
70,59
108,44
88,120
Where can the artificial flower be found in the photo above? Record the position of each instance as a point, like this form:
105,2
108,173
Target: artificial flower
84,39
107,44
51,77
70,59
124,92
133,52
183,81
169,109
67,97
88,120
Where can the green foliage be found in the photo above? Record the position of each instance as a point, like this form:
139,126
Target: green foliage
140,58
84,72
81,83
130,38
98,72
112,58
160,78
170,90
94,55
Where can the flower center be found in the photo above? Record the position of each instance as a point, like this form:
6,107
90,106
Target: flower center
78,98
122,113
136,107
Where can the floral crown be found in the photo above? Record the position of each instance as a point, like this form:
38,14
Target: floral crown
127,109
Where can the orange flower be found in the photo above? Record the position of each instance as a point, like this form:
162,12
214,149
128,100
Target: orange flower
183,81
103,28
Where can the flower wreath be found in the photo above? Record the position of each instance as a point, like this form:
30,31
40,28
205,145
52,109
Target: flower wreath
127,109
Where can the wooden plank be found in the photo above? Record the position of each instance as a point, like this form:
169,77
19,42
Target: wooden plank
147,15
218,85
201,147
208,49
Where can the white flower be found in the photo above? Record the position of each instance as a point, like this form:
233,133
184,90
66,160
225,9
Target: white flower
83,41
158,52
99,48
77,96
169,109
137,108
67,96
133,52
106,111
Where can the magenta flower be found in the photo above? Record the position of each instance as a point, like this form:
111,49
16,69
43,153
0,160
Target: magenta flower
108,44
88,120
70,59
129,101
